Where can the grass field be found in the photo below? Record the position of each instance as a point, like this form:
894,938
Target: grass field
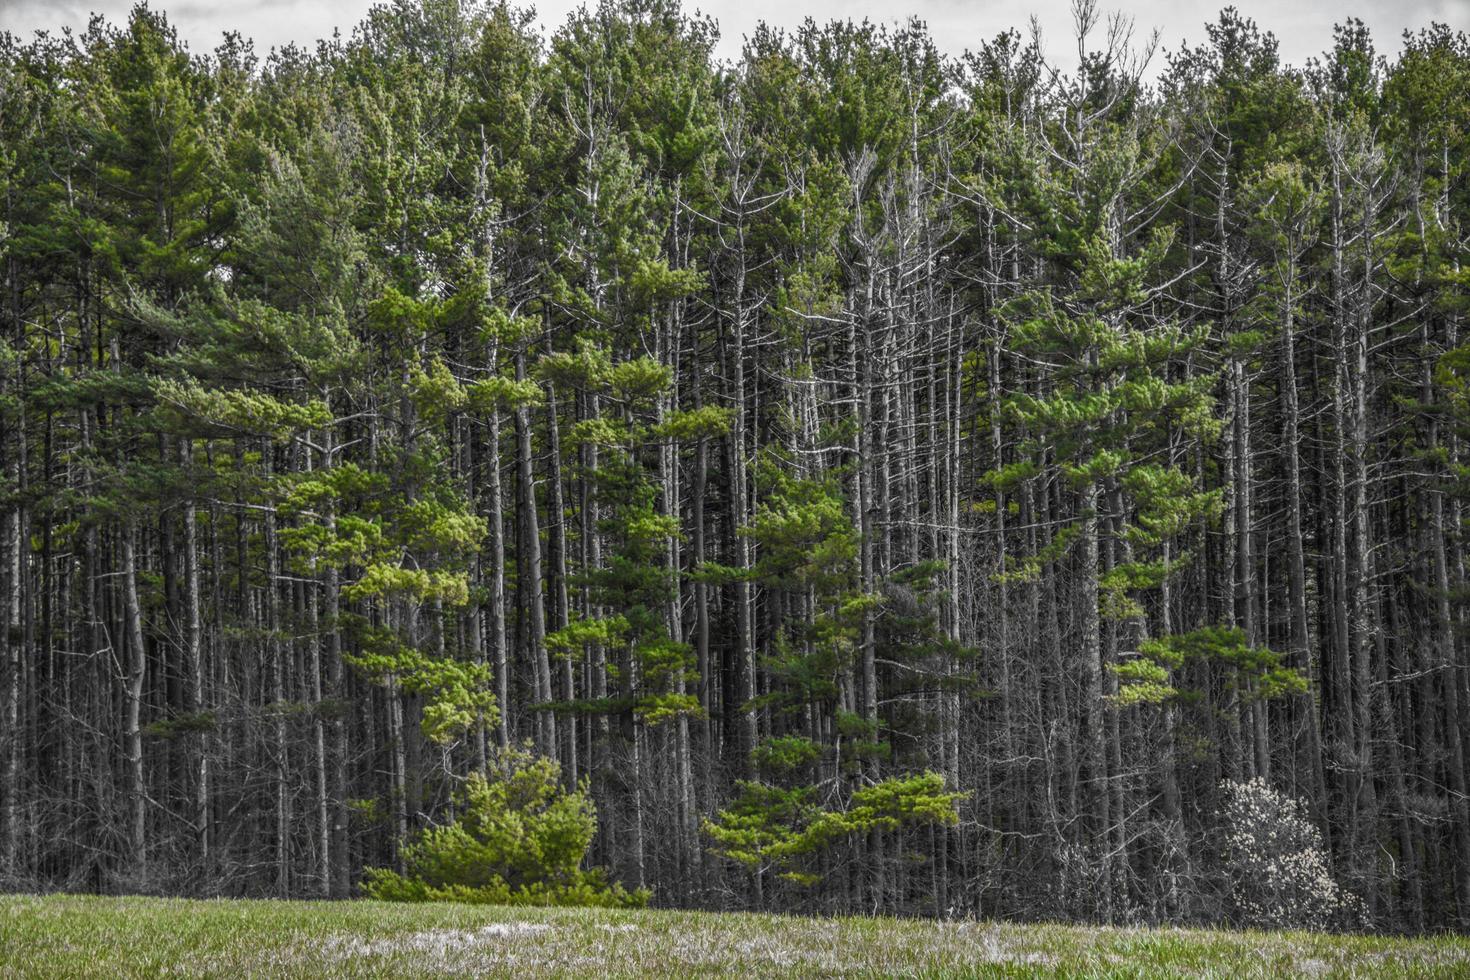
78,936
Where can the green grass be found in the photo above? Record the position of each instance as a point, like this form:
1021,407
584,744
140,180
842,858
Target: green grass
83,936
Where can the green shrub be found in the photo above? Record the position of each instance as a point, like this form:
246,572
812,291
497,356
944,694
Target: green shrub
519,839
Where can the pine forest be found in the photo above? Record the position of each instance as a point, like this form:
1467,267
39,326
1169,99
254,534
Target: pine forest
843,479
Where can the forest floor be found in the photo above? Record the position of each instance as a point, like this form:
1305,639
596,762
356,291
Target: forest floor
81,936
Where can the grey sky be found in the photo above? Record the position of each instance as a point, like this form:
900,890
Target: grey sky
1304,27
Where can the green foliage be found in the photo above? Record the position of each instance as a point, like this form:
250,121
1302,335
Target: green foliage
179,726
785,753
1255,672
264,319
234,412
808,546
435,392
459,696
501,393
699,423
769,828
1119,388
518,838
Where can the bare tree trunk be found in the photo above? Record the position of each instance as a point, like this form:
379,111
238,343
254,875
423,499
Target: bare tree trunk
132,727
10,784
498,648
744,611
1446,663
1099,781
556,532
280,747
1302,643
531,570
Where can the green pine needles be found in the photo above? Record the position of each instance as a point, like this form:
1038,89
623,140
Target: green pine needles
518,838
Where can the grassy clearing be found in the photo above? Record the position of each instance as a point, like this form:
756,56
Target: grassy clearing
84,936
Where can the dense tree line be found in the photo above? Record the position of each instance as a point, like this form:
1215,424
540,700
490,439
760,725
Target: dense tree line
893,482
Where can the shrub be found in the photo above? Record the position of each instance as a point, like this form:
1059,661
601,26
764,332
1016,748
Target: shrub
519,839
1275,865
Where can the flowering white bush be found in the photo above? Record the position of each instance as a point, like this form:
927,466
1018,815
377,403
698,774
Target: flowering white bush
1276,865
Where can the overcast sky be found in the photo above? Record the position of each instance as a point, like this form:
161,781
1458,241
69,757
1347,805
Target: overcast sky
1304,27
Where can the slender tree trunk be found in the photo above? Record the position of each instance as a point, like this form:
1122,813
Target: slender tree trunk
132,723
531,572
